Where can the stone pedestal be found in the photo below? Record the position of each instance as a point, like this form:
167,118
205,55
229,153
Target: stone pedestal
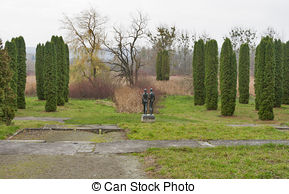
147,118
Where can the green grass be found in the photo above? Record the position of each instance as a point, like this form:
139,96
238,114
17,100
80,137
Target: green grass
241,162
80,112
178,118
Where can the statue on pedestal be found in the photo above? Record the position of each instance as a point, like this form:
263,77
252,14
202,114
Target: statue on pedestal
148,99
152,100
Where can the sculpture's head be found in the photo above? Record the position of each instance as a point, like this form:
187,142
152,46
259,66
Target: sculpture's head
151,89
145,90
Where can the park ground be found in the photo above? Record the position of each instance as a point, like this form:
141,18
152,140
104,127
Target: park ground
177,119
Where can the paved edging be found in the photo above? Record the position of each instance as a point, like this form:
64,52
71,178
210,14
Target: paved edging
279,127
57,119
130,146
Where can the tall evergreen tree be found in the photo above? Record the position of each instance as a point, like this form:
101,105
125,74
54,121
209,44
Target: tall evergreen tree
60,68
159,66
244,73
278,73
21,65
199,73
211,80
286,74
66,91
228,79
10,47
259,70
256,78
165,65
50,77
7,95
39,71
267,85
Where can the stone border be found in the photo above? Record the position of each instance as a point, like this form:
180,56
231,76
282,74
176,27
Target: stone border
57,119
279,127
98,129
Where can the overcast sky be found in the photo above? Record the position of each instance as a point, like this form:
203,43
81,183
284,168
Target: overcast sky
38,20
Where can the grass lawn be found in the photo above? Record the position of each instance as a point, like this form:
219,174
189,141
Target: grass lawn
178,118
241,162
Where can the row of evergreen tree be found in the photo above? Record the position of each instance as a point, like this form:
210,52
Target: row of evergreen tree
12,78
7,94
271,76
52,73
16,50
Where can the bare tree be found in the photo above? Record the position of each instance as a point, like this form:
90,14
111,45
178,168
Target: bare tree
164,39
205,37
125,49
241,35
271,32
184,52
85,33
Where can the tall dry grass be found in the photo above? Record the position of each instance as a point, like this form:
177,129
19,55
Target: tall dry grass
128,99
177,85
30,89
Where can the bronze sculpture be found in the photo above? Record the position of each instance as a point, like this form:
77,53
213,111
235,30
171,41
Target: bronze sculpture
145,98
151,100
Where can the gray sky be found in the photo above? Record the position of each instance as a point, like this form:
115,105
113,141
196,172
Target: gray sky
38,20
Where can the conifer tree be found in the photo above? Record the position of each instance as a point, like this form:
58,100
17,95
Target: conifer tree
60,68
10,47
165,65
228,78
286,74
244,74
21,65
259,71
199,73
267,85
50,77
211,81
159,66
256,86
66,91
278,73
39,71
7,96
